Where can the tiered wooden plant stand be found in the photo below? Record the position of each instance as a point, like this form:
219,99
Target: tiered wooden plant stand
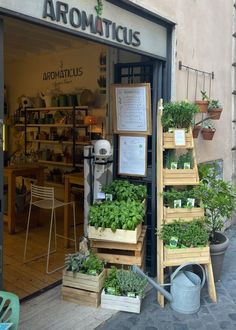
83,289
184,177
119,253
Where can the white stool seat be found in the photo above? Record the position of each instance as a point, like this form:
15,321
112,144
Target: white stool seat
43,197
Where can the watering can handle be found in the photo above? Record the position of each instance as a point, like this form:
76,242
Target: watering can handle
189,264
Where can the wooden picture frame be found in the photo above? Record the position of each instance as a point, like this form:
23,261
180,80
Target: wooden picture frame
132,160
131,107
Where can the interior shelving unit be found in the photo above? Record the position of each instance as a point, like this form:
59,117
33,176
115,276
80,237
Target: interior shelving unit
178,177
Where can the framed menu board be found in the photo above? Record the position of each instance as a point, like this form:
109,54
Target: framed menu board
131,104
132,155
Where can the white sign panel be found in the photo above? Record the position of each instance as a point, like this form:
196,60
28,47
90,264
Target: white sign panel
132,155
115,24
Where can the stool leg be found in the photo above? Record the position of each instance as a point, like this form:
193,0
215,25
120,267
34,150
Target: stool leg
49,241
27,232
73,208
55,228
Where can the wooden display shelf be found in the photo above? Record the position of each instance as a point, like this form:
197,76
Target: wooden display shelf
122,253
50,162
58,125
82,297
58,142
119,236
174,257
181,177
169,143
120,303
185,214
84,281
47,109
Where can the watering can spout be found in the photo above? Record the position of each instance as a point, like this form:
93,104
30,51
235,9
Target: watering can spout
165,293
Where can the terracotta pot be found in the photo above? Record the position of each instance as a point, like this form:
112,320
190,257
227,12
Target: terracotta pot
215,113
203,105
207,133
196,131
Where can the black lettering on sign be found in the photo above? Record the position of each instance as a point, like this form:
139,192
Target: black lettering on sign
107,24
48,10
118,29
75,17
88,21
61,10
137,42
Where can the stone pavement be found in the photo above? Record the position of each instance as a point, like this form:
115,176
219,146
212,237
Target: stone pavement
210,316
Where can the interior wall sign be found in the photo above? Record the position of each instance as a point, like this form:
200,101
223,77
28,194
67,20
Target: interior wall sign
59,11
63,73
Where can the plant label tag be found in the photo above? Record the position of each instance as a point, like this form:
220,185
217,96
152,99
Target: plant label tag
101,195
170,130
108,197
190,202
173,242
177,203
187,166
173,165
179,137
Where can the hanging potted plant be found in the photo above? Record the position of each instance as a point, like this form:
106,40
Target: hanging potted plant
219,200
208,130
214,109
203,103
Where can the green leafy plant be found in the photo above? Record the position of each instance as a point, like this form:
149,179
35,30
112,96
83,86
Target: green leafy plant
79,263
208,124
125,283
219,200
185,158
188,234
173,194
214,104
178,115
116,215
170,157
204,96
123,190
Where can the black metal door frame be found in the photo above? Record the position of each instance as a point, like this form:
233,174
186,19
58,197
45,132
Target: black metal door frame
158,89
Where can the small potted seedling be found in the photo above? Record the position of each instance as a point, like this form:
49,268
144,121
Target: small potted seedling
203,103
214,109
208,130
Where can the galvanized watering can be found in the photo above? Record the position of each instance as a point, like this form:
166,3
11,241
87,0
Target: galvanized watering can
185,288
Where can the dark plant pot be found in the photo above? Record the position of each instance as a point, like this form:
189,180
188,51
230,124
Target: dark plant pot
196,131
217,252
207,133
215,113
203,105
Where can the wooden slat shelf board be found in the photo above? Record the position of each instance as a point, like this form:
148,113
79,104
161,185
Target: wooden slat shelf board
56,125
186,214
121,253
120,235
58,142
81,297
179,256
168,141
180,177
57,108
49,162
84,281
121,303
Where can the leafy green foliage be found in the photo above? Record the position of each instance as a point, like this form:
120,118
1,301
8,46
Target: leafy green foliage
116,215
123,190
219,200
214,104
173,194
125,283
90,265
171,156
185,158
178,115
189,234
204,96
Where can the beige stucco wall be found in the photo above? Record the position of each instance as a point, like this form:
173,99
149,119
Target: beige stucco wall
202,39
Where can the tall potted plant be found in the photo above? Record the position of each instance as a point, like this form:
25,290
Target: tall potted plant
219,200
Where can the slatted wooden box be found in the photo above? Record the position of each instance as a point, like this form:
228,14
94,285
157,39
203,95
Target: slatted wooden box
116,253
181,177
180,256
169,142
82,288
185,214
120,303
120,235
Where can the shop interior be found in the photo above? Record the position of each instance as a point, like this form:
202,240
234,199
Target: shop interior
62,76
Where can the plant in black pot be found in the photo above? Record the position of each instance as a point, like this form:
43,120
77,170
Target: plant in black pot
219,200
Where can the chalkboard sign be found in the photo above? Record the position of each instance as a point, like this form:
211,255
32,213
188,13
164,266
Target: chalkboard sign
131,105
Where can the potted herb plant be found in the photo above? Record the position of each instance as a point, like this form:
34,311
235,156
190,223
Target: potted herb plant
123,290
203,103
83,275
208,130
219,200
214,109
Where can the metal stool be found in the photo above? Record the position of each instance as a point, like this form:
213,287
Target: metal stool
43,197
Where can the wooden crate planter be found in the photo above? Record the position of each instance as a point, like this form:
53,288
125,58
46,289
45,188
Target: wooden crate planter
180,256
84,281
120,235
121,253
82,297
186,214
169,142
120,303
182,177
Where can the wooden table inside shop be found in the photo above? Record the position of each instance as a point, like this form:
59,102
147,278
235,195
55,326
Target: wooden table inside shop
11,172
70,180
